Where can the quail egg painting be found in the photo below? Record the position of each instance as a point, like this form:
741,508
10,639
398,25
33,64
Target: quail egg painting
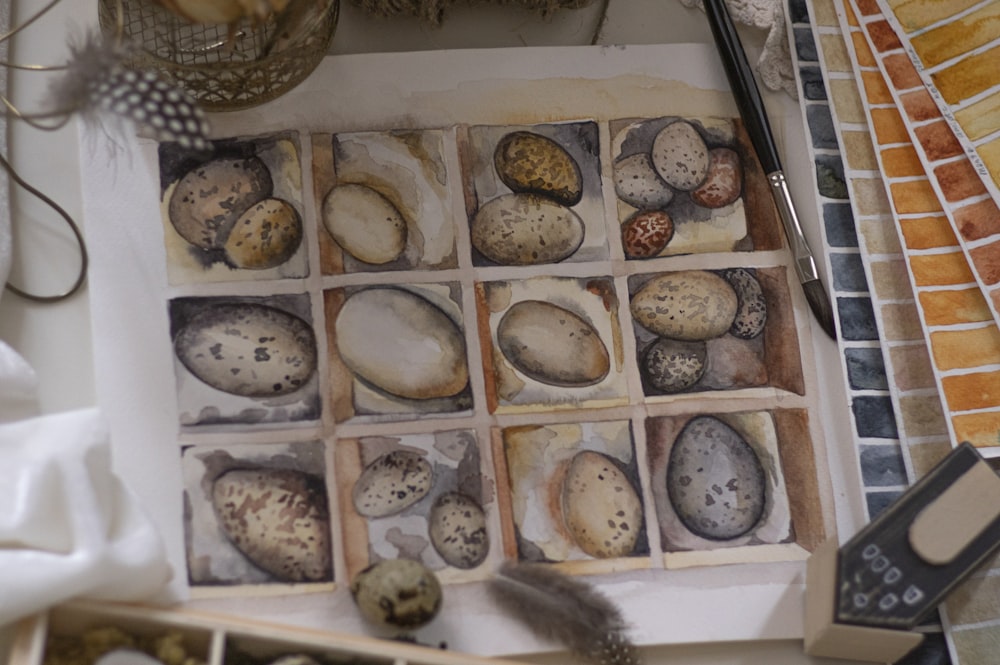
534,194
711,330
385,201
423,497
236,212
575,494
684,185
257,514
244,361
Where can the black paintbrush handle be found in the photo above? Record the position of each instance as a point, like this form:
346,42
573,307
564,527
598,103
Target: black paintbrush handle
742,82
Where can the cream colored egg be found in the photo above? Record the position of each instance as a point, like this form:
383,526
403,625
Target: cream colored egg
278,519
398,593
526,229
600,506
248,349
457,527
364,223
688,305
392,483
265,236
553,345
402,343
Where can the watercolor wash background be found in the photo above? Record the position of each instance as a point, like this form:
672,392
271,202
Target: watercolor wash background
450,104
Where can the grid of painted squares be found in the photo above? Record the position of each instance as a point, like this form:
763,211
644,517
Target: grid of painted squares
441,366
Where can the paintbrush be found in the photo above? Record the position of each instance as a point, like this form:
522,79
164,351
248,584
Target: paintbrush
754,116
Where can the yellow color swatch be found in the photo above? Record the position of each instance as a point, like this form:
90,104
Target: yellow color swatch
928,232
916,14
949,268
964,349
967,392
981,118
968,77
914,196
979,429
901,162
954,306
959,36
990,154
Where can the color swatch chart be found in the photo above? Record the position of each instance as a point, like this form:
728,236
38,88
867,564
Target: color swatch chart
924,218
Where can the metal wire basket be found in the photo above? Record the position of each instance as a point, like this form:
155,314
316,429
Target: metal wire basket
225,68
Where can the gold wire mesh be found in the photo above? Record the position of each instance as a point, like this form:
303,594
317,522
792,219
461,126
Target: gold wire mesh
223,68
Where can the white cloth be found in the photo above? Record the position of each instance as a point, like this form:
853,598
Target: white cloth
68,527
775,62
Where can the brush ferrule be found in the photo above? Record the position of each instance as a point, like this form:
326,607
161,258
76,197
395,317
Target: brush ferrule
805,265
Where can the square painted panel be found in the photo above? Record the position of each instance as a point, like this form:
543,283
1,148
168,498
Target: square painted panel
857,319
813,87
838,219
879,501
866,369
821,128
848,272
882,466
805,47
874,416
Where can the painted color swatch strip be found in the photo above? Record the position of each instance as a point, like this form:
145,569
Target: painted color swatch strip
969,383
950,303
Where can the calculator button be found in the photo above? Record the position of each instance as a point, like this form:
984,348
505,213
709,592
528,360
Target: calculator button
888,602
860,600
880,564
913,595
870,552
892,575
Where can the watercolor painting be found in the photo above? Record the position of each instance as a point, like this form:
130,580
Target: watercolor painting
234,213
686,185
257,514
552,343
703,330
534,194
575,494
386,201
397,351
427,497
244,361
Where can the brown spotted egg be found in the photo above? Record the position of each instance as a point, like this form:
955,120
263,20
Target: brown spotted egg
392,483
457,527
397,593
526,229
724,182
600,506
266,235
688,305
647,233
530,163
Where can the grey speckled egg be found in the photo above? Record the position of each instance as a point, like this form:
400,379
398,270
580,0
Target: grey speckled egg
526,229
398,593
278,519
248,349
689,305
751,313
552,344
535,164
715,480
680,156
392,483
671,365
209,199
600,506
457,527
638,184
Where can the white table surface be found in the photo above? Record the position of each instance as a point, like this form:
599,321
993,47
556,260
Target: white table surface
56,339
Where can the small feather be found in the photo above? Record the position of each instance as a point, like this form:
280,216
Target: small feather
566,610
97,82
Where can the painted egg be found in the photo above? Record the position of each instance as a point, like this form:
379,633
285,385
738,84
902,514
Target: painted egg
265,236
724,182
552,344
457,526
534,164
248,349
526,229
751,313
715,480
209,199
638,184
278,519
671,365
364,223
688,305
600,506
646,234
680,155
402,343
393,482
398,593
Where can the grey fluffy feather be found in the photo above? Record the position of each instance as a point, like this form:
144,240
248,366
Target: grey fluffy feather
566,610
